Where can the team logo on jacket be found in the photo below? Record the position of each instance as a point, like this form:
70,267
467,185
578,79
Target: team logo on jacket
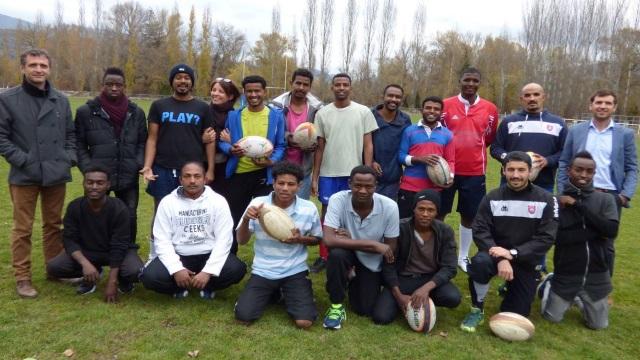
454,117
532,209
549,127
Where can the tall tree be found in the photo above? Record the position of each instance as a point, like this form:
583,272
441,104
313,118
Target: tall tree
174,44
309,32
191,37
204,56
349,34
386,30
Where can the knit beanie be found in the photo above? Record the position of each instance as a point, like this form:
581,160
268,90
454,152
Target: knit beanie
181,68
430,195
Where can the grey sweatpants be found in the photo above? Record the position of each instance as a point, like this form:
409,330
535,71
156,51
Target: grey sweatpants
595,313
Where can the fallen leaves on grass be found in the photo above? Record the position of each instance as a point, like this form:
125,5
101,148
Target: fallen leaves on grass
444,334
194,353
68,353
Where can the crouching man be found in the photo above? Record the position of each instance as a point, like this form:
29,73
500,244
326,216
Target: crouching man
425,263
588,219
280,268
192,235
96,234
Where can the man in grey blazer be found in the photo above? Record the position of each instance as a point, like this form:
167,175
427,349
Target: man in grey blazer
612,147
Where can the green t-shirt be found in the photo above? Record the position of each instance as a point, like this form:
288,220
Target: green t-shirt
343,130
253,124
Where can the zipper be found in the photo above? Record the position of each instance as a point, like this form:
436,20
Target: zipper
586,269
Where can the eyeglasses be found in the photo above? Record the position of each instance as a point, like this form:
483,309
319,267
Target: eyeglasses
223,79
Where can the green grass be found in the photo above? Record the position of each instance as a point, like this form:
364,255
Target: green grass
146,325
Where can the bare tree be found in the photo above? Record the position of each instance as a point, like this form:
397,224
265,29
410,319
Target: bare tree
275,19
349,34
388,18
309,32
228,47
325,35
370,17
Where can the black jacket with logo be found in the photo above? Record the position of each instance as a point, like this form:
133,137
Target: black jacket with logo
525,220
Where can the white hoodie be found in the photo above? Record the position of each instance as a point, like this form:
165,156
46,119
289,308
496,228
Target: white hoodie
184,226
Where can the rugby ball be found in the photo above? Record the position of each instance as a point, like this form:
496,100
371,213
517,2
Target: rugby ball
305,135
422,319
276,222
535,168
255,146
511,326
439,174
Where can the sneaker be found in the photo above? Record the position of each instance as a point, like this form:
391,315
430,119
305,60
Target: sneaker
207,294
318,265
25,289
181,294
502,289
462,264
542,286
473,319
125,287
334,317
85,288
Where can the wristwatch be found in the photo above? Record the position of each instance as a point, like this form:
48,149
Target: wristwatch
514,253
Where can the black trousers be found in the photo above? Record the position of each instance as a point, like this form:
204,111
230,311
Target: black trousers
297,294
241,188
446,295
64,266
364,288
156,277
130,198
520,291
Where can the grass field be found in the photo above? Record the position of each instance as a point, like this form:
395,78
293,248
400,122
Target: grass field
146,325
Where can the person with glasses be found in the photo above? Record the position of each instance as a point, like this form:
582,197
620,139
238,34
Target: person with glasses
111,132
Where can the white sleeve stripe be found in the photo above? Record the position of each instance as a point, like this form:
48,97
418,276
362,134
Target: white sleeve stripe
534,127
518,208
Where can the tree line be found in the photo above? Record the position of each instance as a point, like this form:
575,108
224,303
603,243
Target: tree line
571,47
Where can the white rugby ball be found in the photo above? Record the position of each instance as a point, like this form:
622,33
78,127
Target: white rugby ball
535,168
305,135
439,174
511,326
276,222
422,319
255,146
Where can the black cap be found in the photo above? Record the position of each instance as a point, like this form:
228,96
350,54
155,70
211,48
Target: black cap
430,195
182,68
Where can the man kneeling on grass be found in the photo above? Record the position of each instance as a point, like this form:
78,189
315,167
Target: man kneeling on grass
588,218
425,263
96,233
280,268
192,235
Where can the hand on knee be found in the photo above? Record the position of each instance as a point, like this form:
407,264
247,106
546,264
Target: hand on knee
303,324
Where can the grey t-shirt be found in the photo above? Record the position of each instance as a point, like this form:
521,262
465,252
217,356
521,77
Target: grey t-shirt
383,221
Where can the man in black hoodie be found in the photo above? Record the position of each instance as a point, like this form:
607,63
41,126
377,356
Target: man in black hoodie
588,219
425,263
514,227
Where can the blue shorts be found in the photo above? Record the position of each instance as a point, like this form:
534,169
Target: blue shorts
167,181
471,190
328,186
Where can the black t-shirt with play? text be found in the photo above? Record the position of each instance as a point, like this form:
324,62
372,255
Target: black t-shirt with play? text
181,126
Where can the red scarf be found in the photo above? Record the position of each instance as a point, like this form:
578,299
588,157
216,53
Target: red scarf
117,110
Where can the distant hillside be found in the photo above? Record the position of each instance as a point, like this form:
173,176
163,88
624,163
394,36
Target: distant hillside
8,22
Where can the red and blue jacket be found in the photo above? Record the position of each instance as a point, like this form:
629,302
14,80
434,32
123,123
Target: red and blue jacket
417,141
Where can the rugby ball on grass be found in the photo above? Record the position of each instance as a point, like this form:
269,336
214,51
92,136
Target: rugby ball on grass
422,319
255,146
276,222
535,168
439,174
305,135
511,326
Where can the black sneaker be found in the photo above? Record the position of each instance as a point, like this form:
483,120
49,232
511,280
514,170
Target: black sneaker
85,288
319,265
125,287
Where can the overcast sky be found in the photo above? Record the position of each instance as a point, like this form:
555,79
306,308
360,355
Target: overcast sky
254,16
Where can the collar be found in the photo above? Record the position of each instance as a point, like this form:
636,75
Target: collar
421,124
611,125
397,120
376,205
466,103
34,91
294,207
571,189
